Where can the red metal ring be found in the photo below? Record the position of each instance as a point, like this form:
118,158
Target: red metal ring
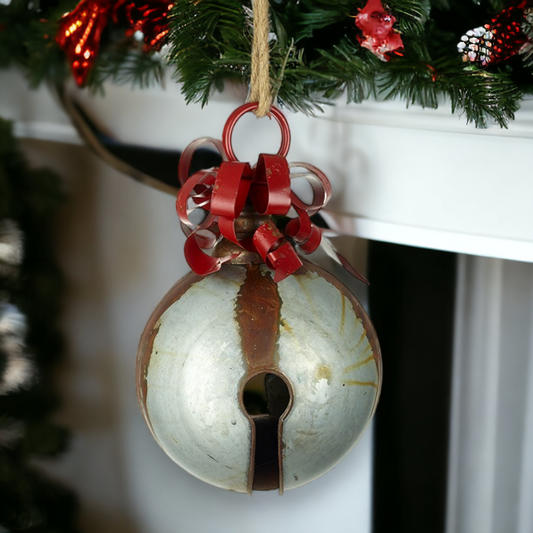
246,108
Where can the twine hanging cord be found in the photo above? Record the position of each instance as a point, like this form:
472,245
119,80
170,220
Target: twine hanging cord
260,78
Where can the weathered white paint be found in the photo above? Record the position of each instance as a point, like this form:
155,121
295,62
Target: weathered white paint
325,354
193,382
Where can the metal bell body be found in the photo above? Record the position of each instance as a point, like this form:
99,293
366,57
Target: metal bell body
210,335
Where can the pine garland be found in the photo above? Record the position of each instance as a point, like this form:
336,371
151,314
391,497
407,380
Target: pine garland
315,53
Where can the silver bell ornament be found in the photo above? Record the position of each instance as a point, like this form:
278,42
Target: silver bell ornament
259,370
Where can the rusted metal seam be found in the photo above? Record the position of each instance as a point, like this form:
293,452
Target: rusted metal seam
258,314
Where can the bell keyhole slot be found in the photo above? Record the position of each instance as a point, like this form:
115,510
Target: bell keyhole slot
266,399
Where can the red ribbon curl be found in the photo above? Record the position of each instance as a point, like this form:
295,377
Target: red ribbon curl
222,193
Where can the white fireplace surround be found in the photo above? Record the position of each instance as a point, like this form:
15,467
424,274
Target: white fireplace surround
416,177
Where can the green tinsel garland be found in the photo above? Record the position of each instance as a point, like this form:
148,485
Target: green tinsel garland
315,54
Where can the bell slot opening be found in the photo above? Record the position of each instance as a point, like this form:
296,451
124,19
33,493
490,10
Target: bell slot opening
266,397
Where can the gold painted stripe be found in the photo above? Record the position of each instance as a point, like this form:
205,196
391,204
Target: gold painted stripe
359,364
363,335
362,383
343,314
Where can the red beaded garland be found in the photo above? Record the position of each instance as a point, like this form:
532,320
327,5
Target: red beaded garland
496,41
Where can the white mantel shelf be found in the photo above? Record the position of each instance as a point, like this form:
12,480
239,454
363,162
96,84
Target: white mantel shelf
410,176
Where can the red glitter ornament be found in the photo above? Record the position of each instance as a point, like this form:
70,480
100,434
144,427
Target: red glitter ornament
379,36
150,17
497,41
80,30
79,35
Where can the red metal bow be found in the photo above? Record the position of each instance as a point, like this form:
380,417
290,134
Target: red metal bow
223,192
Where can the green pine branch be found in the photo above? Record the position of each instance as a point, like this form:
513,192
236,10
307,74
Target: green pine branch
315,53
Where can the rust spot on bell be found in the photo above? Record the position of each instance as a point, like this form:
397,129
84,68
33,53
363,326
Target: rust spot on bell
323,372
143,370
286,326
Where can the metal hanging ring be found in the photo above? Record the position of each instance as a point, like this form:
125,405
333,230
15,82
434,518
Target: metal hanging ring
246,108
